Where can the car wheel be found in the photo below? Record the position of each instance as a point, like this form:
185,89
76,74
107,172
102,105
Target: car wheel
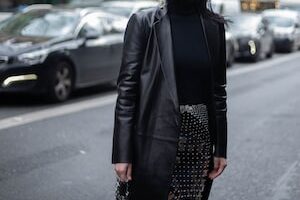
256,57
62,81
292,48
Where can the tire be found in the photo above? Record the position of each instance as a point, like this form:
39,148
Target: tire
292,48
256,57
61,82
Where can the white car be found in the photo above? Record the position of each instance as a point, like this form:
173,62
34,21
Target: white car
286,28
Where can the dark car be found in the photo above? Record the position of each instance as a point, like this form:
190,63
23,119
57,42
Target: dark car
286,28
231,48
254,36
53,51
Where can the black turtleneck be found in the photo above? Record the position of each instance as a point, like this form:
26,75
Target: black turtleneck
190,52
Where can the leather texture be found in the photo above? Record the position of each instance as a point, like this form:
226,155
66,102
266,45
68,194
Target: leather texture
147,115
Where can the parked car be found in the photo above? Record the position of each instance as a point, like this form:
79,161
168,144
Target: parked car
254,36
286,28
231,48
127,8
53,51
290,5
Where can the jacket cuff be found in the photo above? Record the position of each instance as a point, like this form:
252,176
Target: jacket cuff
221,140
122,140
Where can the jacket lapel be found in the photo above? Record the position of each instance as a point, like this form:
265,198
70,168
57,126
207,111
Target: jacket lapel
164,41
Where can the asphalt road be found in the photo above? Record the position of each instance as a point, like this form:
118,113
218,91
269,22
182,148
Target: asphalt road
63,152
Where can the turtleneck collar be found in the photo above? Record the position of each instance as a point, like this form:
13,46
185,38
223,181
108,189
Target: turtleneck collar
183,7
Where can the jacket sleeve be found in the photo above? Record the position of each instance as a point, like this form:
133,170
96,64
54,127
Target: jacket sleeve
220,96
127,90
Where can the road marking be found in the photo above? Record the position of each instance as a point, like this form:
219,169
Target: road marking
282,188
57,111
263,65
109,99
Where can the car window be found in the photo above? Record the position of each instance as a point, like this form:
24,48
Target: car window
280,21
40,23
290,6
107,25
92,25
244,23
99,25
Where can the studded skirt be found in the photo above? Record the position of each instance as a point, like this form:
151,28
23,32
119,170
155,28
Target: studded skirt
194,156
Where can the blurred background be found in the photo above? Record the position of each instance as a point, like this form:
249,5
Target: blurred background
59,61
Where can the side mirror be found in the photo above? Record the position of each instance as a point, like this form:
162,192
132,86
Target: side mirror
297,25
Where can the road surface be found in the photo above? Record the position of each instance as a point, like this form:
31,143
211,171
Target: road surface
63,152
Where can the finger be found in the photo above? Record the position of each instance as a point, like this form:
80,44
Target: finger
217,163
123,176
213,173
219,171
129,172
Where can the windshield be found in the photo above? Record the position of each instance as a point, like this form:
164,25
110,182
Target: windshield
41,23
280,21
244,23
290,6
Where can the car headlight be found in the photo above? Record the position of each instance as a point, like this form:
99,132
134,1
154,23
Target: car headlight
253,48
35,57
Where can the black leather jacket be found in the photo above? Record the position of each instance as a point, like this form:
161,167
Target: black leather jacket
146,125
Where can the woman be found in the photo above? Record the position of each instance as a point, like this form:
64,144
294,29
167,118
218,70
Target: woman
170,131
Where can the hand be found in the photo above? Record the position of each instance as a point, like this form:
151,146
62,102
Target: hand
123,171
219,166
